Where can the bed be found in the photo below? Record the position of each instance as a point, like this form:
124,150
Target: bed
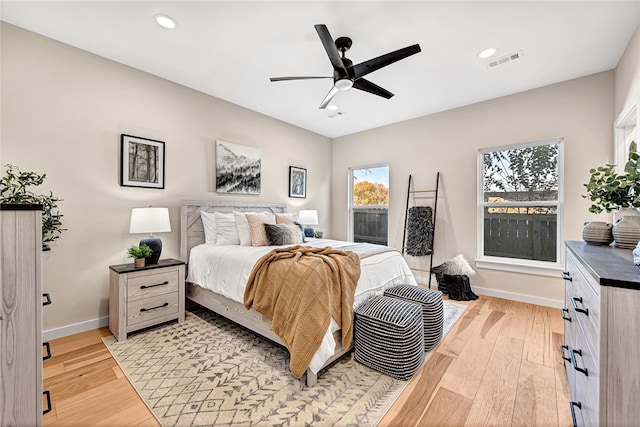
217,274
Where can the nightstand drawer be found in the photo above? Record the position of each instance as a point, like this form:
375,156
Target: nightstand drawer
152,308
150,285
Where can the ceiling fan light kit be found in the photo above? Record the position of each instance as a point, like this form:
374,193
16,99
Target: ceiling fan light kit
343,84
345,74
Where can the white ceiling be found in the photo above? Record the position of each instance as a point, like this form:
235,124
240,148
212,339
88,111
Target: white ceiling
230,49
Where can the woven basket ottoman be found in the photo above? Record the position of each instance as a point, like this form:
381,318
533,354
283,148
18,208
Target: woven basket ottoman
389,336
432,309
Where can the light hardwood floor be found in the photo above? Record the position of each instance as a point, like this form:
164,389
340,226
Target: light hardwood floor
499,365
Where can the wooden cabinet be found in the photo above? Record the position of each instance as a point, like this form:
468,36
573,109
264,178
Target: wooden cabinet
21,316
145,296
602,335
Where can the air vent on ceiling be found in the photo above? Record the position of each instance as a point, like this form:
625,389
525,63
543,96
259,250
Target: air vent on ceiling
505,59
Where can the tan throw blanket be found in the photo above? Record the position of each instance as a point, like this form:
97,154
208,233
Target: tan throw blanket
300,289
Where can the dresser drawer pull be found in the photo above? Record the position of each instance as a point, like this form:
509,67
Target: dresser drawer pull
575,363
142,310
47,394
562,349
567,276
47,346
572,405
166,282
574,300
47,298
563,311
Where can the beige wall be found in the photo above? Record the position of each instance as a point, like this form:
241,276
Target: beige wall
63,111
627,75
579,110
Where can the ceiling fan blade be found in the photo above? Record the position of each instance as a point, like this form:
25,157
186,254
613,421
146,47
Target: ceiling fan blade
373,88
374,64
332,50
280,79
327,99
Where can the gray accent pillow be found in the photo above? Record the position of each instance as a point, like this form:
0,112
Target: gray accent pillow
282,234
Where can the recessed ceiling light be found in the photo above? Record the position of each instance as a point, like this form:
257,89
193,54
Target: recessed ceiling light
165,21
488,52
332,107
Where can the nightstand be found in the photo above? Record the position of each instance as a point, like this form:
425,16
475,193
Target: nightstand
145,296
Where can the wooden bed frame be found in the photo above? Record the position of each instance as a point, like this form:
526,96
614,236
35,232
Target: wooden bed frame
192,234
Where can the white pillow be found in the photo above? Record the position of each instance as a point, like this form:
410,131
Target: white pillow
242,225
226,232
209,224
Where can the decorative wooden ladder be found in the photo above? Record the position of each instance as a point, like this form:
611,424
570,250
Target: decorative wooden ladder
434,193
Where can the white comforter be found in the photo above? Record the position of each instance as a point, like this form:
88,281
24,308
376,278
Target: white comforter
226,269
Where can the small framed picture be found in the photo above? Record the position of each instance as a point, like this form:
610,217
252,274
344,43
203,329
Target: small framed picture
141,162
297,182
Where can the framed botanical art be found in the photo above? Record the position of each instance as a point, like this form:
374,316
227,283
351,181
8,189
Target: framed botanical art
141,162
297,182
237,168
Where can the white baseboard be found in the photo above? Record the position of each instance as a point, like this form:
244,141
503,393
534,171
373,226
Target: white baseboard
519,297
76,328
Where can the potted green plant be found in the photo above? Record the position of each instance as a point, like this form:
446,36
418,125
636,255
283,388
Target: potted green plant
610,191
139,253
15,189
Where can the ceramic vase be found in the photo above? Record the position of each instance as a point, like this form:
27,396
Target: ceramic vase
626,230
597,233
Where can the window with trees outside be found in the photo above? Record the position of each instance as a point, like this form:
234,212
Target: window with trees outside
520,204
369,204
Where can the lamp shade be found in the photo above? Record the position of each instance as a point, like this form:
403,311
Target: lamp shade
150,220
308,217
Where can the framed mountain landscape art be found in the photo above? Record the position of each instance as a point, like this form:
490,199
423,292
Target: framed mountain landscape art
237,168
141,162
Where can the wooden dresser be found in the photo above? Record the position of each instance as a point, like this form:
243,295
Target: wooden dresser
602,335
21,316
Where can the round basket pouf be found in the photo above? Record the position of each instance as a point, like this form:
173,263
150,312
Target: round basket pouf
432,309
389,336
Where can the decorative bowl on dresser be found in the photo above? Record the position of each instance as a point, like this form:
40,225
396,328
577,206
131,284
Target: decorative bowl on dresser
602,335
140,297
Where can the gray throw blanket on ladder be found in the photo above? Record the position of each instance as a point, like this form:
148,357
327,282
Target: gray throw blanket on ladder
419,231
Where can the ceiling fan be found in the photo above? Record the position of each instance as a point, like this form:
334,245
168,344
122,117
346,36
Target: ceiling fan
345,74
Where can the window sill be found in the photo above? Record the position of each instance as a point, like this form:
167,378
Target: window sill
517,266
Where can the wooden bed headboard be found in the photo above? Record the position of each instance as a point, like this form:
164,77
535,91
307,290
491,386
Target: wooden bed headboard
191,228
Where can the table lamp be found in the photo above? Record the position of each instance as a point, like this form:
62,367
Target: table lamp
308,217
150,220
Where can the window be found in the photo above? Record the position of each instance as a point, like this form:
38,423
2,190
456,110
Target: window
520,206
369,204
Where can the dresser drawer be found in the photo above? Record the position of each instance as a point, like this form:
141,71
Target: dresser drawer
149,285
584,302
148,309
586,383
583,378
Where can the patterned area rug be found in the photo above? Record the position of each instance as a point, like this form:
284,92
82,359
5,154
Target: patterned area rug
210,371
